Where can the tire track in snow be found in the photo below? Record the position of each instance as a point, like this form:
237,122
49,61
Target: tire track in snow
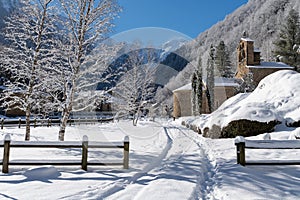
123,183
156,162
190,157
178,158
205,180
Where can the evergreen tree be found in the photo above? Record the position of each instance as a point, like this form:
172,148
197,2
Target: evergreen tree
248,84
210,81
222,61
197,90
194,94
199,86
289,36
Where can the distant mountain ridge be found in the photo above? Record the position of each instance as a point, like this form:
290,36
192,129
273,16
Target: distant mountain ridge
262,19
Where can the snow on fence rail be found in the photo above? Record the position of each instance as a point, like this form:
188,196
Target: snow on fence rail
49,122
242,144
7,144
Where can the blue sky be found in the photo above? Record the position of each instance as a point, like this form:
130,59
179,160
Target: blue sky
190,17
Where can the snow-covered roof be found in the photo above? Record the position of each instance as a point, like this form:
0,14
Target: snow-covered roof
247,39
271,65
226,82
184,88
219,82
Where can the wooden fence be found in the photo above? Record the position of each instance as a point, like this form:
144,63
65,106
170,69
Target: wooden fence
242,144
49,122
7,144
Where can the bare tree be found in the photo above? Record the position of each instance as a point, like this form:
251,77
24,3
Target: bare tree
28,31
88,22
136,86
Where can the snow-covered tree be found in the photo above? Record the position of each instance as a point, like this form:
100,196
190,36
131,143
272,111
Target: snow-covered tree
87,23
28,32
136,87
297,48
222,61
163,96
197,85
288,37
210,79
247,84
194,94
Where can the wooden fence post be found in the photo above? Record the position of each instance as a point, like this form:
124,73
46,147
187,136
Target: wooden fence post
48,122
6,154
84,153
240,150
19,122
2,123
34,125
126,153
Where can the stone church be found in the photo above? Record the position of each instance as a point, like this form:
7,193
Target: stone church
248,61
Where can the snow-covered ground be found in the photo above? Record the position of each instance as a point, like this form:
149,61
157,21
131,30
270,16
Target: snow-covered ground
276,98
167,161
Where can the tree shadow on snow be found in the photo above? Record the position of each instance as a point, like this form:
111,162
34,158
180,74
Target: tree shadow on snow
264,181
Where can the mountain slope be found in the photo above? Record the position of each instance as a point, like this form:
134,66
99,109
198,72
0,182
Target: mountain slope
262,19
6,7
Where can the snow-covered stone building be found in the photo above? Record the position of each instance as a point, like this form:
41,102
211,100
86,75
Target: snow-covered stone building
182,103
249,61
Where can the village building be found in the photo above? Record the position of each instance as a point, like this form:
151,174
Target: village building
182,102
249,61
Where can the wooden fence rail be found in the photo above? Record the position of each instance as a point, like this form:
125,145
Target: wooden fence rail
242,144
85,145
49,122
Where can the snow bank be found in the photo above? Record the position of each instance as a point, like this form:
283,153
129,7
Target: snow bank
277,98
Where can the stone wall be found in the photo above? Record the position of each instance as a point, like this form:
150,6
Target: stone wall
260,73
182,105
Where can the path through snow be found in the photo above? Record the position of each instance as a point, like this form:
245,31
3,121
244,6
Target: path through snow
166,162
182,168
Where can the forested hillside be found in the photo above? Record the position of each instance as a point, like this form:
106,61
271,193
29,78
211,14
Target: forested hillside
262,19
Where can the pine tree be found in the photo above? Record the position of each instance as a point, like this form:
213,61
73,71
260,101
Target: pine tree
197,90
289,36
199,86
194,94
210,81
222,61
248,84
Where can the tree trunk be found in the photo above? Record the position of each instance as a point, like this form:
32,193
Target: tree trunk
27,134
135,119
66,113
62,128
64,121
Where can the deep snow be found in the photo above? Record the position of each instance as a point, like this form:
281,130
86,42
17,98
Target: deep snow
277,97
167,161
